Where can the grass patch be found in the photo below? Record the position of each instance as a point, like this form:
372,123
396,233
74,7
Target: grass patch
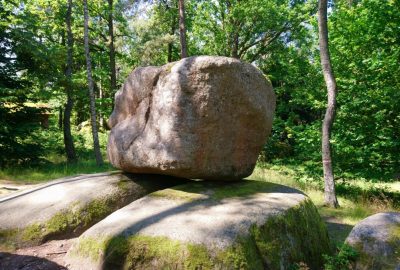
51,171
365,198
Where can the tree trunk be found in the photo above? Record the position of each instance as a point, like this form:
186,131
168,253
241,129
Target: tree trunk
96,145
330,195
68,140
100,88
182,29
113,73
60,118
169,55
235,47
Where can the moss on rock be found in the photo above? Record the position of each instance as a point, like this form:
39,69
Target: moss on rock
6,240
297,236
218,190
377,242
69,222
176,194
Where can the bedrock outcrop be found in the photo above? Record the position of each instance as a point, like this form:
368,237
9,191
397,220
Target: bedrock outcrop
66,207
208,225
201,118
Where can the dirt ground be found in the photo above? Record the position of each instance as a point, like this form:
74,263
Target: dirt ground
49,256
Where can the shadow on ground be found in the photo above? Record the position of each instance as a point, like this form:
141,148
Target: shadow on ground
10,261
338,232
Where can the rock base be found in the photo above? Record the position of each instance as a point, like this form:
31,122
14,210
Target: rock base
243,225
66,207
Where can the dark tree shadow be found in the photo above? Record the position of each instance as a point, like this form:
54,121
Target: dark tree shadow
338,232
9,261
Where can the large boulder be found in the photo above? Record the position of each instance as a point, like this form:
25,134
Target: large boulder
66,207
201,118
377,241
207,225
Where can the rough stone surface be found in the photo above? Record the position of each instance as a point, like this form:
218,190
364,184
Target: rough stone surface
377,240
243,225
68,206
201,118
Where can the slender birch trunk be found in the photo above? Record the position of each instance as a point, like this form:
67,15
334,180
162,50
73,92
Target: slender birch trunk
96,145
330,194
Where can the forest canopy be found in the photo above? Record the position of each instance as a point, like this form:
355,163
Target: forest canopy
279,37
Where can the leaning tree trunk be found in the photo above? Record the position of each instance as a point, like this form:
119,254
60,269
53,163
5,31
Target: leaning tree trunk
68,140
182,29
113,73
330,195
96,145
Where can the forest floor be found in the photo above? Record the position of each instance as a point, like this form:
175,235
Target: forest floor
339,221
48,256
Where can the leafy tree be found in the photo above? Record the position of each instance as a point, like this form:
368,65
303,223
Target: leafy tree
365,42
18,120
249,30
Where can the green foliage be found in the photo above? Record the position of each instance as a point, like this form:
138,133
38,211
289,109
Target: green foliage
255,27
278,36
49,171
18,120
343,260
364,45
366,49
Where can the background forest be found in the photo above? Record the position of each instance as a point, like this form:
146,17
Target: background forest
279,37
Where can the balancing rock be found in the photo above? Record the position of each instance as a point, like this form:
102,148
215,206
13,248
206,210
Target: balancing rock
201,117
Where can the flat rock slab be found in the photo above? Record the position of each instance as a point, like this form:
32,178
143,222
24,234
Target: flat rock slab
202,117
66,207
245,224
377,241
